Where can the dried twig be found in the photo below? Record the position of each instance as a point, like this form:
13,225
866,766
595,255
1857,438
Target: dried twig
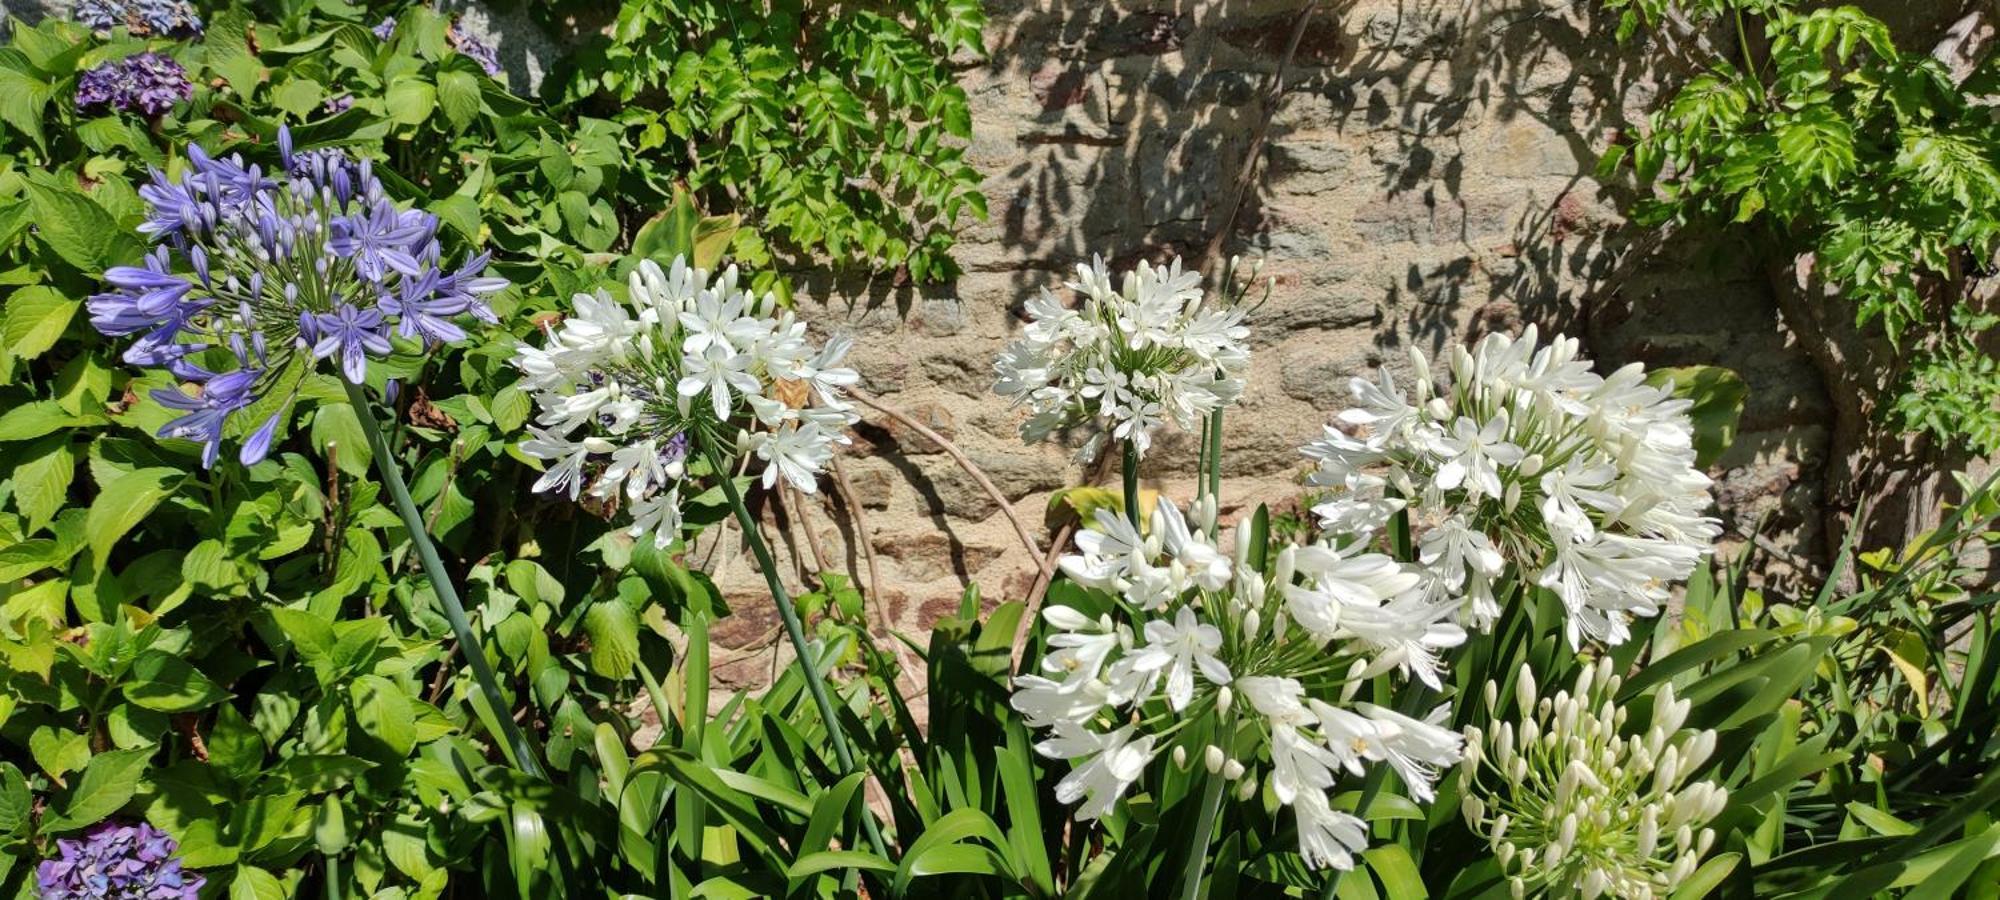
861,536
1274,89
1043,580
964,462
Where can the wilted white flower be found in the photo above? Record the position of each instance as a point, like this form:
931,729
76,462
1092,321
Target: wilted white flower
1573,805
1585,484
1198,649
630,389
1129,358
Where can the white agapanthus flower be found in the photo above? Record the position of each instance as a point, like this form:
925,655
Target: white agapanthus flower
1196,640
1151,350
1574,806
630,389
1584,484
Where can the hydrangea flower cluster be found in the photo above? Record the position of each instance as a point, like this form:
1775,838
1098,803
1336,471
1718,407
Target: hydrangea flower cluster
461,40
146,83
143,18
113,862
1585,483
1128,359
687,361
255,276
1572,806
1195,634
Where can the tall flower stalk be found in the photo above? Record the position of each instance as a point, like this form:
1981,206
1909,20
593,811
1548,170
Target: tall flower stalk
691,365
255,278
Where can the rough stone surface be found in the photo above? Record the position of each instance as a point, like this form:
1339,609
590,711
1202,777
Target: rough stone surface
1426,179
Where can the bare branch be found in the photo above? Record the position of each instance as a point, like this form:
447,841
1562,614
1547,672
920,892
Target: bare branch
964,462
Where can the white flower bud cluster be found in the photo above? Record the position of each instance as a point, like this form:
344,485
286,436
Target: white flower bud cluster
1571,804
1584,484
1126,360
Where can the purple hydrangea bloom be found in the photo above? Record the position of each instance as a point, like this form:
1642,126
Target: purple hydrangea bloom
338,104
117,861
475,49
146,83
385,29
254,273
144,18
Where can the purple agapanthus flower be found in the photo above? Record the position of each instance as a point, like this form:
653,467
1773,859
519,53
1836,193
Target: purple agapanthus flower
146,83
116,862
337,104
143,18
254,273
385,29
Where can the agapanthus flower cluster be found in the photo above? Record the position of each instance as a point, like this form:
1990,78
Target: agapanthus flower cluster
257,275
1131,357
1584,484
143,18
1199,640
146,83
117,862
1572,806
687,362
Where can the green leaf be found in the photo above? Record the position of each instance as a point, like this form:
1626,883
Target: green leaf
1392,864
829,860
123,504
614,638
334,425
1718,395
383,711
410,101
1707,878
458,96
77,229
16,802
36,317
165,682
22,100
252,883
42,478
32,420
103,788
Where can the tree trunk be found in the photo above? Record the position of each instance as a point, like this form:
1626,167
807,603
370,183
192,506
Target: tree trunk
1885,485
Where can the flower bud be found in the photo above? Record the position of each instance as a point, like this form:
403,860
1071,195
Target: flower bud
1232,770
1180,757
1214,759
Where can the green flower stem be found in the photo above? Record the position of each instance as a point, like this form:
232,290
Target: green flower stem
1213,473
815,684
525,756
1131,469
1197,863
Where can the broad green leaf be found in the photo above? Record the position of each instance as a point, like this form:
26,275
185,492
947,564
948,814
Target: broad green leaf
1718,395
334,425
383,711
165,682
28,421
458,96
36,317
77,229
410,101
252,883
105,785
614,638
42,478
124,503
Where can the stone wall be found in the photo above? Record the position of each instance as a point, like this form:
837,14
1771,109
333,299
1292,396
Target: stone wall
1426,179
